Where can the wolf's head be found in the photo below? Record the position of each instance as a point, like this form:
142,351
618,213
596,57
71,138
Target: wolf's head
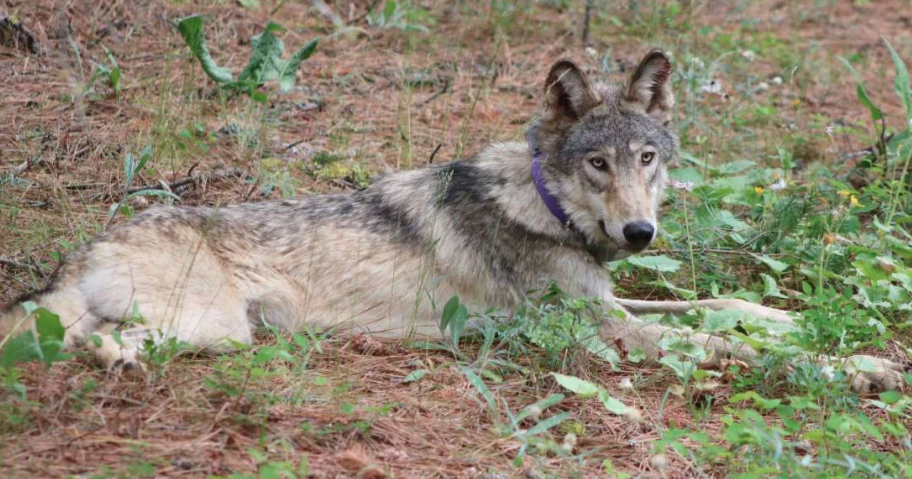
605,147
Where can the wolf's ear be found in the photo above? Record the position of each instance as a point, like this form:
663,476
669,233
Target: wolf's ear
568,95
649,89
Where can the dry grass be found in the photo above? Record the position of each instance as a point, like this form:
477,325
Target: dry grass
383,100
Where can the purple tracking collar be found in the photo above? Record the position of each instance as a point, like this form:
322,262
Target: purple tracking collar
550,201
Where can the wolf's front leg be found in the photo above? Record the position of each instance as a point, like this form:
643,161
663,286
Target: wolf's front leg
678,307
634,333
866,373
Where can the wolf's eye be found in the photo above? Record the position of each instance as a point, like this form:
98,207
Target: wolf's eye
647,157
598,163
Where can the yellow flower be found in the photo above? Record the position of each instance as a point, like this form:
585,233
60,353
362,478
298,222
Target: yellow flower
853,201
759,190
829,239
844,193
796,102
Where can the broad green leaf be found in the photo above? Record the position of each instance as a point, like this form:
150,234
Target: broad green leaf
683,369
611,404
862,92
481,387
725,320
754,343
580,387
155,193
865,424
454,317
50,336
415,376
288,74
599,348
774,264
890,397
449,310
191,29
129,165
901,81
684,293
265,56
547,424
46,347
540,405
389,10
22,348
659,263
756,398
686,175
735,167
864,364
770,288
685,346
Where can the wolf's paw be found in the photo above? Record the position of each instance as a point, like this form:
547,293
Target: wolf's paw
870,374
126,367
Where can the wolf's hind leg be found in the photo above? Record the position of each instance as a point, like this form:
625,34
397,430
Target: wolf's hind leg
212,330
120,353
68,303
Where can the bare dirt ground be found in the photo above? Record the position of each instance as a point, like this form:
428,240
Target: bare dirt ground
379,99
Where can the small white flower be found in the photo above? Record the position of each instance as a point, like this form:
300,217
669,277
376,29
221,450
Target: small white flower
659,462
828,372
632,415
591,52
778,185
697,62
570,439
763,86
749,55
777,81
535,412
686,331
712,87
682,185
829,130
626,384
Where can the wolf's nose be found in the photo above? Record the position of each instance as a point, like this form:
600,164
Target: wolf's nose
639,233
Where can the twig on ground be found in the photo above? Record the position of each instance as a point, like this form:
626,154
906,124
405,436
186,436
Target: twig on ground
277,7
434,153
856,154
442,91
186,182
587,15
22,168
20,265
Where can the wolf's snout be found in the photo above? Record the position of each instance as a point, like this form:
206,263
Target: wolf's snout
639,233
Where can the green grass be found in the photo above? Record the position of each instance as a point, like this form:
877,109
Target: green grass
776,200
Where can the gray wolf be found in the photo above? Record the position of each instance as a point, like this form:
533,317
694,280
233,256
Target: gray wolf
583,189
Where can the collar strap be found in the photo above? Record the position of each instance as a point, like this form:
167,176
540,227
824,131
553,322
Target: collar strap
550,201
